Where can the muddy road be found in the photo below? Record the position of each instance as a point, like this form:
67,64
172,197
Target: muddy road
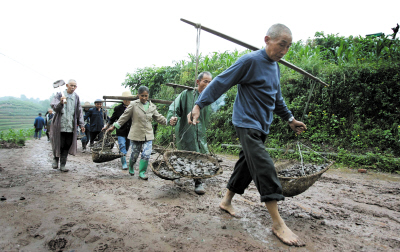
99,207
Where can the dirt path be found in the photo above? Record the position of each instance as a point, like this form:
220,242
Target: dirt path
99,207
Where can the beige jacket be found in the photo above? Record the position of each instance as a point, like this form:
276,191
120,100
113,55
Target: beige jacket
141,129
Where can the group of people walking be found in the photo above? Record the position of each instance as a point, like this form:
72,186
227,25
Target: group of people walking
43,123
257,76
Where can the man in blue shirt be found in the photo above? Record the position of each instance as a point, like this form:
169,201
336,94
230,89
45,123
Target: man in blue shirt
257,76
96,117
38,124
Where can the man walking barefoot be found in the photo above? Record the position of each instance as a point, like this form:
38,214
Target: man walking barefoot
257,75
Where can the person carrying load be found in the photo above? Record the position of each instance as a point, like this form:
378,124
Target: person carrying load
141,112
191,138
257,76
123,132
97,118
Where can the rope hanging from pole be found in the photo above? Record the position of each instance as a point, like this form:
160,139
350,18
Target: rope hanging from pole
198,27
198,30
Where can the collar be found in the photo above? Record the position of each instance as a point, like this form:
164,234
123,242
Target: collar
266,56
68,95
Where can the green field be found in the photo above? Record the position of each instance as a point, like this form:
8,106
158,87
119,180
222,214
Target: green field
27,117
20,114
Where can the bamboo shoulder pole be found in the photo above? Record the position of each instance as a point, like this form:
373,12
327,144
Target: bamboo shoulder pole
117,101
253,48
132,98
179,86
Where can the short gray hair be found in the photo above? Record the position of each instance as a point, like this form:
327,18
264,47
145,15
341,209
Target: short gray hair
142,89
201,75
71,80
277,30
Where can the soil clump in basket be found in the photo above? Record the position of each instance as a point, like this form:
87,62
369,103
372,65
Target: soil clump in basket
102,150
192,167
296,170
162,169
108,145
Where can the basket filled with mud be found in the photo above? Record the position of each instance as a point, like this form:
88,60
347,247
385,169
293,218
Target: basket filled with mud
105,156
192,164
102,150
161,169
296,178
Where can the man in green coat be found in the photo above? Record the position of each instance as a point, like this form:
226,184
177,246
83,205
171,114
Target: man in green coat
191,138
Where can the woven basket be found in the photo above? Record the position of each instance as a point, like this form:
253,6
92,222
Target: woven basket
105,156
195,156
294,186
102,151
158,165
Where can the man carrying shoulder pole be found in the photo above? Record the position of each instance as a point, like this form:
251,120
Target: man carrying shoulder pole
191,138
257,75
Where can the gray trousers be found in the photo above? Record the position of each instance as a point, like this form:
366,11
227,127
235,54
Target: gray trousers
256,165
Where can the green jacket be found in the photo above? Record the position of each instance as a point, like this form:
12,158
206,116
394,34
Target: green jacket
189,137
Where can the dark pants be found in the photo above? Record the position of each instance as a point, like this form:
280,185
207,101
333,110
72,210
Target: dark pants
48,135
38,132
65,143
87,133
255,164
93,135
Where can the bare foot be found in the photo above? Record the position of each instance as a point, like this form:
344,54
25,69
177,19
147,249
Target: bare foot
229,209
286,235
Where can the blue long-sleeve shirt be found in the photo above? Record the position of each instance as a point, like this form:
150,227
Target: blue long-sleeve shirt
259,92
39,122
96,119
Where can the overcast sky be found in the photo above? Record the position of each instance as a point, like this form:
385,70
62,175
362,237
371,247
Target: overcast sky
98,42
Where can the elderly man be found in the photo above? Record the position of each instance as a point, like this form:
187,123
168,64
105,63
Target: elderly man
64,125
38,125
259,95
191,138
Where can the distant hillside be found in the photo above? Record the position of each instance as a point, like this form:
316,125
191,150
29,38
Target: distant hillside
20,113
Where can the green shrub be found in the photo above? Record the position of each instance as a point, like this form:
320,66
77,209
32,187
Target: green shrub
16,136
